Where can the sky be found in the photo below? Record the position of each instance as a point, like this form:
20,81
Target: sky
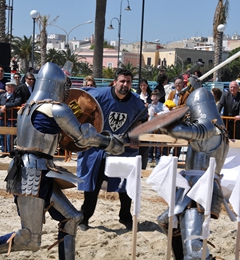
164,20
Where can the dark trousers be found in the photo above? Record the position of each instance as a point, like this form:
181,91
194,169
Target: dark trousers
90,200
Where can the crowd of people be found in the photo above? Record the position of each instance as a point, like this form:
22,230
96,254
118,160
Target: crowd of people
42,118
13,94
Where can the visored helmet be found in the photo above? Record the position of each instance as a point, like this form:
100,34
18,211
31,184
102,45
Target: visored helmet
51,83
202,106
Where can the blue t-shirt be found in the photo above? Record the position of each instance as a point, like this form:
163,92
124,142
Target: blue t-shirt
118,115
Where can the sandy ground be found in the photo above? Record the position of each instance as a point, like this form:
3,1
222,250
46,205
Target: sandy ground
108,239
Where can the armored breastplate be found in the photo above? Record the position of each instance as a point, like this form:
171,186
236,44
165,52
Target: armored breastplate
200,160
29,138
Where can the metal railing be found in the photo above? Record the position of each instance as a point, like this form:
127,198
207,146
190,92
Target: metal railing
9,127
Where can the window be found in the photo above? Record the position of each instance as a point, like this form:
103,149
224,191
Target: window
159,62
110,65
149,61
189,60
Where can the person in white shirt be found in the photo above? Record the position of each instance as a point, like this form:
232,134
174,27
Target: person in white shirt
153,109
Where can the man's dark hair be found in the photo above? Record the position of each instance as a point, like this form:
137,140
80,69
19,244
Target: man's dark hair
123,72
17,73
161,78
29,74
179,77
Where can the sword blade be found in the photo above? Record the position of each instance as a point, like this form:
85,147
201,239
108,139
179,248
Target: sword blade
159,121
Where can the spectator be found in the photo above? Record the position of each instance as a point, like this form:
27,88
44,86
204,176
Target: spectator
120,107
145,92
153,109
31,70
3,80
162,80
89,81
26,89
145,95
8,100
230,102
179,97
17,78
14,65
198,73
217,93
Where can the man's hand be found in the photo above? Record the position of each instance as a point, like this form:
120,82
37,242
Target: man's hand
236,118
3,109
134,143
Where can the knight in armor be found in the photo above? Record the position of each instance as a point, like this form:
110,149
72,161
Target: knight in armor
32,175
207,138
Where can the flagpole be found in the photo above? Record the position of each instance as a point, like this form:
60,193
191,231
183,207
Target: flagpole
237,242
137,177
212,170
171,206
204,245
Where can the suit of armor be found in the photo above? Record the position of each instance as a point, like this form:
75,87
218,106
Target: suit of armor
207,138
39,125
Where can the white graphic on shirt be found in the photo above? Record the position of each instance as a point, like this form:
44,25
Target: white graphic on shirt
116,120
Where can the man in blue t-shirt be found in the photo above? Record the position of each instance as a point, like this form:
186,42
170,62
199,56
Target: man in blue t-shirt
120,106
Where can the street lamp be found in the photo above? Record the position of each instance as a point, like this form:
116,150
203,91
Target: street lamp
68,33
119,27
221,29
9,7
34,15
110,27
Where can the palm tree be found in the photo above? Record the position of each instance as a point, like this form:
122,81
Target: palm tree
2,20
99,37
55,56
130,67
149,72
68,55
109,73
84,68
43,23
220,17
22,49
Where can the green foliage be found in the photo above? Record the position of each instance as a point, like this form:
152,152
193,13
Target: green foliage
105,45
22,49
130,67
149,72
109,73
84,68
234,66
173,71
55,56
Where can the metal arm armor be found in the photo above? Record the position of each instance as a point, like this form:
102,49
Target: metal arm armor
192,131
84,135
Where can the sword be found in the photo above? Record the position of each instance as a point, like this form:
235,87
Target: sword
135,120
159,121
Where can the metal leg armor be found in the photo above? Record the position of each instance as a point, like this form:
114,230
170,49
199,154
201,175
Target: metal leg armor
29,237
177,247
63,205
69,247
191,224
73,218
